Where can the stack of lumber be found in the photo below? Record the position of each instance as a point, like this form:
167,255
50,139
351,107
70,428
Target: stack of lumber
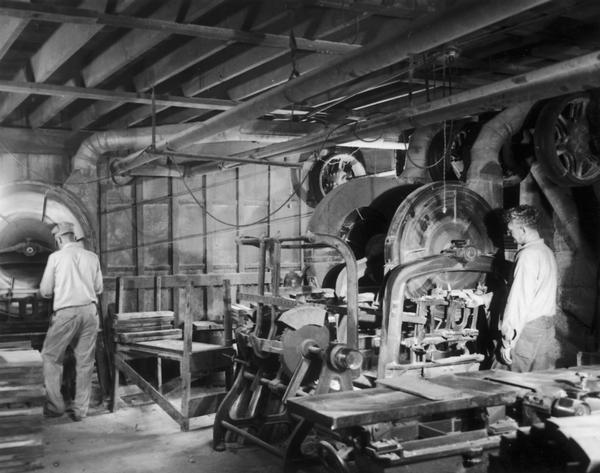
21,410
132,327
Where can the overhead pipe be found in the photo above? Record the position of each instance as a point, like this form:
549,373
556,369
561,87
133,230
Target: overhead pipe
573,75
415,168
563,205
445,28
85,160
485,172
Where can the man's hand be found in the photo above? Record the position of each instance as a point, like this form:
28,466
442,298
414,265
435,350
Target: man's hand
476,300
504,354
504,349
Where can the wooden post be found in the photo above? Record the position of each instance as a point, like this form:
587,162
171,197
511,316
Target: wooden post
157,293
157,307
186,375
119,294
227,315
227,327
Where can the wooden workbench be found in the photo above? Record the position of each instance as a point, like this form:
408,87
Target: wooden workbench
407,397
401,398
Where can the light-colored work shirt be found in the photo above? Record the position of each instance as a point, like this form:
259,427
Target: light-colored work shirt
73,275
533,291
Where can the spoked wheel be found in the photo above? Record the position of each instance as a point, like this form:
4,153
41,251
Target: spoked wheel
564,144
331,171
449,153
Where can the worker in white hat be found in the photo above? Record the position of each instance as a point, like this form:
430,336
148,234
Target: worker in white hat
73,277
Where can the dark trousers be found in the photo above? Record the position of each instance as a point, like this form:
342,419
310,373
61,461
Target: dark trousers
536,347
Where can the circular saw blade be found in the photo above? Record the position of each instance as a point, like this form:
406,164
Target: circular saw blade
300,316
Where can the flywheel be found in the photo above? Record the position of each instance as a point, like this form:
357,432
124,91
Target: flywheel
296,341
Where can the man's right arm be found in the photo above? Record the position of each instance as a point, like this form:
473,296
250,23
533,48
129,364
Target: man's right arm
98,284
47,282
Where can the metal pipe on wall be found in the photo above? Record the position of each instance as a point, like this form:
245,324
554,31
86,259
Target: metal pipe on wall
485,173
415,170
447,27
561,201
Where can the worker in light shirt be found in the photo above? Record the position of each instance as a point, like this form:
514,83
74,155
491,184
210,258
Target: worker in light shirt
527,341
527,327
73,277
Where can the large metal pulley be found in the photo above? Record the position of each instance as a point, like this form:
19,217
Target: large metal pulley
430,221
28,211
567,140
302,343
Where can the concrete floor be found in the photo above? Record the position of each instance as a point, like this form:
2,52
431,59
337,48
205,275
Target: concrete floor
144,439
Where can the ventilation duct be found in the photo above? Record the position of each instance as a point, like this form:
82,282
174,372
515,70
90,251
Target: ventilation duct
485,172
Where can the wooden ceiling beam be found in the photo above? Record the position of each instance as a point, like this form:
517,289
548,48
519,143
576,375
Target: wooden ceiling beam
405,9
28,141
191,54
183,58
56,14
125,50
276,77
198,49
65,42
71,93
239,63
135,117
330,24
91,113
10,29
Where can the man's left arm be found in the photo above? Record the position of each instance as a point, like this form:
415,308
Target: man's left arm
521,295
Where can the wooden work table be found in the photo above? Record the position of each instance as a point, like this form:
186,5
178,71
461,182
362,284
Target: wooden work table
407,397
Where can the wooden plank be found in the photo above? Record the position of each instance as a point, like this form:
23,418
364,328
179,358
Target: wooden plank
180,280
144,327
11,101
42,142
64,43
90,114
20,358
10,29
177,346
368,406
276,77
184,57
57,14
118,55
136,337
239,64
162,315
421,387
145,386
68,92
281,302
137,188
243,60
186,370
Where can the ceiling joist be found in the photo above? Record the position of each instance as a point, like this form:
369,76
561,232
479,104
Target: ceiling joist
57,14
72,92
